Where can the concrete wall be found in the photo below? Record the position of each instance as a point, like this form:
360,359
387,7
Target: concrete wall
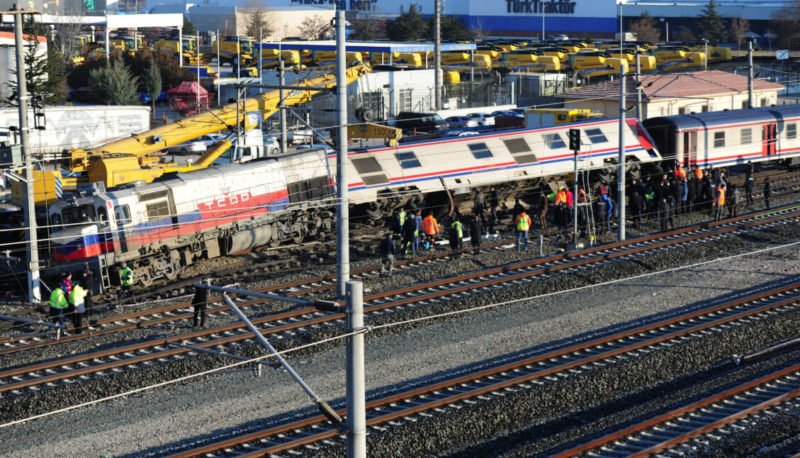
71,127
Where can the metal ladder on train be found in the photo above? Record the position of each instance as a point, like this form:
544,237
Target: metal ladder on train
105,277
582,179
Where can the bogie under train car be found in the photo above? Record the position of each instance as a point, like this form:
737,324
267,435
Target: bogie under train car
162,227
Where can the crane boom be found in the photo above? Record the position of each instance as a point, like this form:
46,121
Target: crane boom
155,140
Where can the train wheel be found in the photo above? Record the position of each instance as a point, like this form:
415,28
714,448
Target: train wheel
145,277
171,273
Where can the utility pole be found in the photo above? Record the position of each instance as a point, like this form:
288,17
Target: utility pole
261,59
219,71
638,84
356,391
34,294
197,56
750,77
621,171
437,53
281,104
343,213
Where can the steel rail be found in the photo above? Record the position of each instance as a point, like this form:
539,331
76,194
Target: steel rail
298,319
283,438
688,422
293,320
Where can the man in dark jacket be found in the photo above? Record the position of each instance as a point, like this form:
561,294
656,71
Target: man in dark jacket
767,192
475,233
200,302
387,252
407,246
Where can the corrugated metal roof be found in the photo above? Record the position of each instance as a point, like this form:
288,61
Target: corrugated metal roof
674,86
364,46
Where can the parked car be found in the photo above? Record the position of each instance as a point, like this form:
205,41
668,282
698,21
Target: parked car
482,118
507,114
423,122
462,122
197,146
508,119
272,146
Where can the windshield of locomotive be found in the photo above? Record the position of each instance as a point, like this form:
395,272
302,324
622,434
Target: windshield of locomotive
79,214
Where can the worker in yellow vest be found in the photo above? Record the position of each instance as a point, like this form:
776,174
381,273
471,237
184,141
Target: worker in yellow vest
456,236
77,297
522,223
58,305
719,201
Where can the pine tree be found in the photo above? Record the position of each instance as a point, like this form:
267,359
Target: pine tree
452,28
152,84
711,25
409,26
45,72
114,83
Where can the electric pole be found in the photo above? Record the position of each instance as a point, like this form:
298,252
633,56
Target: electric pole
437,53
343,209
34,294
621,171
750,77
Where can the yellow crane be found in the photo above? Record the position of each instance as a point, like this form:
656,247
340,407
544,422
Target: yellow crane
136,158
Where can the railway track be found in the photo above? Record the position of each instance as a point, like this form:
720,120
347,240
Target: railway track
291,323
181,312
552,366
689,428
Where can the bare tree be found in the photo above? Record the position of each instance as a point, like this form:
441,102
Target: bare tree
645,29
739,29
685,34
315,27
479,30
66,35
258,23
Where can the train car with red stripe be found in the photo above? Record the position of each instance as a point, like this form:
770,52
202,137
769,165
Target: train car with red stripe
165,226
726,138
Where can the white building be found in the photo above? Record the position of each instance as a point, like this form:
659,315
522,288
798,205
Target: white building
8,61
233,20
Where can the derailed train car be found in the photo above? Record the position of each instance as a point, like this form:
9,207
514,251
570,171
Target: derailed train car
162,227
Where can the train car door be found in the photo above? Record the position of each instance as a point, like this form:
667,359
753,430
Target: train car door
689,149
768,139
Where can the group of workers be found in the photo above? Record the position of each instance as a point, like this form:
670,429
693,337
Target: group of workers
72,299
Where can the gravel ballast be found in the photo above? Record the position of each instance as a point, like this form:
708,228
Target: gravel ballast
236,400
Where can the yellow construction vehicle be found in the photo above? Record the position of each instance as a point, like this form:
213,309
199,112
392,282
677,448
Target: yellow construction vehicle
390,135
547,117
679,58
137,158
237,51
127,43
190,55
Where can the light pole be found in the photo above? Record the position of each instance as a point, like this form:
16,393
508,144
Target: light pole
542,6
666,23
705,43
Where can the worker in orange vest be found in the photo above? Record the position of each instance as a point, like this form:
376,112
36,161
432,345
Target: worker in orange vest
430,227
719,201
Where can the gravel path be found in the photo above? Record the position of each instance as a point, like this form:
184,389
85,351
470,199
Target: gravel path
150,424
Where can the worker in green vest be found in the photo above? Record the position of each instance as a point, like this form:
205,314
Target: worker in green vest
456,236
126,278
58,304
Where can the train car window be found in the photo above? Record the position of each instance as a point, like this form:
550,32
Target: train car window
370,170
56,220
480,150
791,131
408,160
157,210
719,139
79,214
520,150
596,136
747,136
553,141
704,109
517,145
122,214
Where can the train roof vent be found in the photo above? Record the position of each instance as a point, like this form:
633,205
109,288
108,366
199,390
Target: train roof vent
370,170
520,150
